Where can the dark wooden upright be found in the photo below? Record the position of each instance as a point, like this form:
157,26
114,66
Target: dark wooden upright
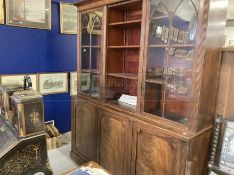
165,54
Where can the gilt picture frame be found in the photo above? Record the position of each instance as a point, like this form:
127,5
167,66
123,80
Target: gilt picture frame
68,18
2,14
18,80
73,83
29,13
53,83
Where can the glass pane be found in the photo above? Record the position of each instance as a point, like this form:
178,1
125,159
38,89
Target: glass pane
95,85
179,76
159,24
184,24
96,40
95,60
85,36
156,65
91,52
176,103
153,102
85,58
85,82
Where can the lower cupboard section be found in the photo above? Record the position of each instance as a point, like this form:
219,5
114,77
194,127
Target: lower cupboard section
157,153
127,147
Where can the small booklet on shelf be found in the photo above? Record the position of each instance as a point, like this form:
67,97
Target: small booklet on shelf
128,99
90,168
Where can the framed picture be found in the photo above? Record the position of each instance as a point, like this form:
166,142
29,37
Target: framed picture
29,13
85,82
73,83
2,16
227,154
18,80
68,18
52,83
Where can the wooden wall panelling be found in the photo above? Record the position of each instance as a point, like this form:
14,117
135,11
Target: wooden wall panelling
154,152
114,142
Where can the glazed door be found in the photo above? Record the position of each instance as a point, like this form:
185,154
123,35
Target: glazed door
155,153
170,52
85,131
114,150
90,51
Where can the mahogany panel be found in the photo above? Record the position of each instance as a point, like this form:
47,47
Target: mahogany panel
86,131
198,154
114,150
157,153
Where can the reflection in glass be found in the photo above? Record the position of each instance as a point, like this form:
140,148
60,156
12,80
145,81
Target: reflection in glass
156,65
95,85
95,59
85,58
85,82
185,22
171,50
153,98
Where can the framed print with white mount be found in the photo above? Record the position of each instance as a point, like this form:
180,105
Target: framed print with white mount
53,83
2,17
29,13
68,18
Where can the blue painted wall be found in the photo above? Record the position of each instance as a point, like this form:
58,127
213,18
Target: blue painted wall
25,50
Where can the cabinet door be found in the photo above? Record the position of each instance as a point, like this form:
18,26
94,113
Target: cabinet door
157,154
86,131
115,148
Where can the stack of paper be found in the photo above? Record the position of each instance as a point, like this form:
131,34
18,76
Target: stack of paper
128,99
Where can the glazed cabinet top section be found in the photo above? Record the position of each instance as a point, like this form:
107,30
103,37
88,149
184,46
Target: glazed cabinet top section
151,57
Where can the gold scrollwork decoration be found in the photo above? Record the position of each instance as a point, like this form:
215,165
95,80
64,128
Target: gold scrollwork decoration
28,157
34,117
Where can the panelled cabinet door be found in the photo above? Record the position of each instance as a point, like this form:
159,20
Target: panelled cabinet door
157,154
114,151
86,133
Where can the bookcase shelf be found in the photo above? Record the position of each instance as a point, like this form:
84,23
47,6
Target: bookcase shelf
126,24
124,47
124,75
95,71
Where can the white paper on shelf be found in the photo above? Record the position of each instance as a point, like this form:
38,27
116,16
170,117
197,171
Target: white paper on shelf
128,99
